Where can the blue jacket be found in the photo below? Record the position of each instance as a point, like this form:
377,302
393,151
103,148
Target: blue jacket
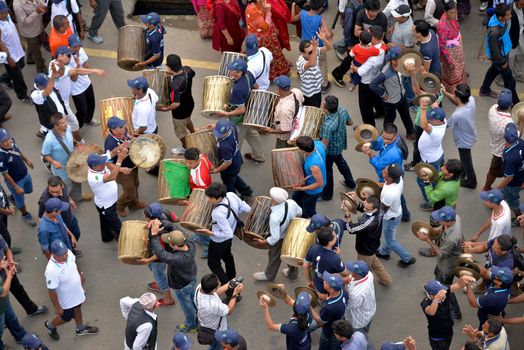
387,155
498,42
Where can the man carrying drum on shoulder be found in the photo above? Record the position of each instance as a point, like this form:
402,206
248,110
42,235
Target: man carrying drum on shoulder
154,41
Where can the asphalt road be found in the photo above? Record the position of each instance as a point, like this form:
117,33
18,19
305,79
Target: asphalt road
398,311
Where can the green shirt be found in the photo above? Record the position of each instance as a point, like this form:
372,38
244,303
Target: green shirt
4,302
445,190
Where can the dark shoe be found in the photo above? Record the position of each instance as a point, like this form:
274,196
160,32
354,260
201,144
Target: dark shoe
88,330
411,137
16,250
406,218
409,167
382,256
350,186
425,206
51,331
28,218
26,100
30,62
490,93
324,89
39,311
77,252
250,157
468,185
339,82
246,197
411,261
41,135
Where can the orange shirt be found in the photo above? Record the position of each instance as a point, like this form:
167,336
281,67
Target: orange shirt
56,39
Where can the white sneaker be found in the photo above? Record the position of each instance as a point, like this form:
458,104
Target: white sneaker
178,151
285,272
260,276
483,6
97,39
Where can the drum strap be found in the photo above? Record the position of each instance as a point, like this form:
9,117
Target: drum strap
286,207
196,304
263,65
61,142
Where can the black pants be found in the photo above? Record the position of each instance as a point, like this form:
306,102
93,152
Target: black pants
507,76
218,252
469,176
343,168
416,152
109,223
14,76
369,103
5,103
339,72
315,100
402,107
443,344
234,182
85,105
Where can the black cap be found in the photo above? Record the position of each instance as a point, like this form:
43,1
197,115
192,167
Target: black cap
395,172
174,62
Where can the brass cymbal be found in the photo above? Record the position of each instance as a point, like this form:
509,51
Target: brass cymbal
429,82
365,133
409,57
460,271
416,100
358,146
277,291
366,186
268,298
310,291
517,112
428,169
349,202
425,228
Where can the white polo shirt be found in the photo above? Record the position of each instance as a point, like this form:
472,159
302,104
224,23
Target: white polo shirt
82,82
144,112
211,309
11,39
65,280
259,69
106,193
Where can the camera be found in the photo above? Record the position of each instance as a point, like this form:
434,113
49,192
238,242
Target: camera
235,282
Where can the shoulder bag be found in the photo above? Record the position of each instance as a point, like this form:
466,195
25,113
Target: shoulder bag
206,335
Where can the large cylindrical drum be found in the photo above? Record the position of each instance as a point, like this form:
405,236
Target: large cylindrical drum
227,58
132,242
297,242
215,95
173,181
147,150
121,107
260,109
158,80
288,167
76,166
257,223
313,119
197,214
131,46
206,143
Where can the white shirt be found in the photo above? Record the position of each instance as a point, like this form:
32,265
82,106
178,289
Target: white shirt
255,64
106,193
430,145
223,225
392,5
278,211
144,112
210,309
61,9
39,99
361,304
62,84
65,280
143,331
500,224
390,196
371,68
11,39
429,12
82,82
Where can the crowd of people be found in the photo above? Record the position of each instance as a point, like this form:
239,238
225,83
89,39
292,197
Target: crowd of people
373,50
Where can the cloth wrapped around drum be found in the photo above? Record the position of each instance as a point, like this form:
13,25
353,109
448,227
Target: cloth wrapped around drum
173,182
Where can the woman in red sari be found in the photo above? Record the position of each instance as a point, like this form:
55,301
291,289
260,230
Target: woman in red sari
227,33
259,22
451,48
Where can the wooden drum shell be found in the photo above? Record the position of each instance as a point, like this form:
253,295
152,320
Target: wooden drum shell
297,242
288,167
257,223
131,46
121,107
215,95
313,119
227,58
260,109
205,142
197,214
132,243
159,80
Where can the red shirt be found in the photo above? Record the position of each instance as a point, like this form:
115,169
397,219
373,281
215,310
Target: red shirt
200,176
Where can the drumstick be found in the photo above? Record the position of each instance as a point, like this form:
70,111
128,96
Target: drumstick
143,160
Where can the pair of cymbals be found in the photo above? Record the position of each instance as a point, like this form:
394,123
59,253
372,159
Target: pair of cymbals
267,298
349,202
358,146
409,57
366,188
465,265
517,112
429,82
365,133
277,291
425,229
428,170
432,98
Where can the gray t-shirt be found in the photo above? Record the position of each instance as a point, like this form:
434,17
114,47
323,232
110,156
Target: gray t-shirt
403,33
357,341
450,244
462,121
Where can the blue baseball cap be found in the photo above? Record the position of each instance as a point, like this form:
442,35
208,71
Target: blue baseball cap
433,287
359,267
115,122
393,53
63,50
318,221
511,134
54,204
334,280
56,1
303,303
4,135
437,114
138,83
494,196
31,341
3,7
229,336
41,80
154,211
182,342
251,44
446,213
283,82
393,346
150,18
74,40
239,65
505,99
222,127
502,273
94,160
58,247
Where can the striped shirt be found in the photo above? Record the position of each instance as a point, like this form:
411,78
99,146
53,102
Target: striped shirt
310,78
361,305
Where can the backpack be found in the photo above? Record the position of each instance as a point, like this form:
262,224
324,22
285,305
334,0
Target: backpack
403,148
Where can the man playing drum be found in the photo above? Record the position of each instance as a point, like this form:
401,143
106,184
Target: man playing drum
144,110
154,40
282,211
128,174
243,82
258,62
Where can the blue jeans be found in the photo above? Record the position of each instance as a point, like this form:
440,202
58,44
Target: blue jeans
75,228
512,196
308,203
11,322
186,297
203,240
420,183
159,274
410,94
330,343
390,243
27,184
406,215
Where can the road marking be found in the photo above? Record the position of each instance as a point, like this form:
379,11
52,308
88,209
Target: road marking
214,65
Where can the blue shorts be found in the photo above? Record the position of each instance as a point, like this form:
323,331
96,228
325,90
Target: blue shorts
27,184
69,314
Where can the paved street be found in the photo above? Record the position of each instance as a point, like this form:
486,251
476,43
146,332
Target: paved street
398,311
